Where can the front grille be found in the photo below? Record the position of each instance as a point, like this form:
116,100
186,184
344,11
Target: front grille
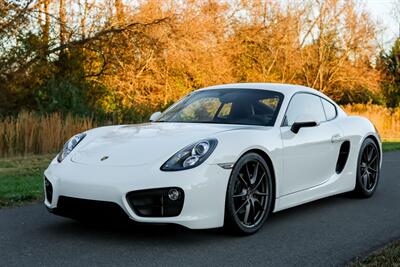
156,202
78,208
48,190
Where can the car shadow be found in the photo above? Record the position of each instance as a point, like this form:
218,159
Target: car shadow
128,231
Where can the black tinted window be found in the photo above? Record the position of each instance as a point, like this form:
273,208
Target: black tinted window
230,106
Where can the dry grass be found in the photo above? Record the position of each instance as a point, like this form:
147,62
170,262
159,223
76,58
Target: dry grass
387,256
29,133
386,120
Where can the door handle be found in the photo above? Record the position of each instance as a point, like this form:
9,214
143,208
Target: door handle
336,138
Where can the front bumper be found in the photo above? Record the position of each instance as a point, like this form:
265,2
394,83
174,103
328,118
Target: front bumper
204,189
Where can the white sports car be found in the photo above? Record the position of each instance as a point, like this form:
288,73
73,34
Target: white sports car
225,155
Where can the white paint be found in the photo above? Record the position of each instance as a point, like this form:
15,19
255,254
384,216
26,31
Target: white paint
304,163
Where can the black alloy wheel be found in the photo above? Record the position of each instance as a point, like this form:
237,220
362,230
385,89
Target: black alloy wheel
368,169
249,195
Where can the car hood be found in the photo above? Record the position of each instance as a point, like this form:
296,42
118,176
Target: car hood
130,145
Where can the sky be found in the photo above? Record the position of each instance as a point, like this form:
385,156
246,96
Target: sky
381,11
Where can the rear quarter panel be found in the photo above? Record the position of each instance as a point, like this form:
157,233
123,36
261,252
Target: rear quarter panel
356,129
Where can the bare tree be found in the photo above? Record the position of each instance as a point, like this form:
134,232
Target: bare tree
340,47
145,54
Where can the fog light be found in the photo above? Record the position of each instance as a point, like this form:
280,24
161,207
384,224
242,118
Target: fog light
173,194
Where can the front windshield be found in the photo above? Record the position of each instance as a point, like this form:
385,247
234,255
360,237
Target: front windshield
226,106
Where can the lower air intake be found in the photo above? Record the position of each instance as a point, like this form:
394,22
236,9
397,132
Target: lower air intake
85,209
160,202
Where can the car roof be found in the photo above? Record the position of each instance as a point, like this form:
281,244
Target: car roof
286,89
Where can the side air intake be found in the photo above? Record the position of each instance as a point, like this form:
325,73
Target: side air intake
343,156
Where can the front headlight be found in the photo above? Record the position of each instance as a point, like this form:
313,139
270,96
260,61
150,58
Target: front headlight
191,156
69,146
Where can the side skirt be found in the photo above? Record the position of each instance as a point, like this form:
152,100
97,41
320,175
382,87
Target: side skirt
337,184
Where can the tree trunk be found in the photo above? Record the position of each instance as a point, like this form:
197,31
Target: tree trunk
62,14
46,26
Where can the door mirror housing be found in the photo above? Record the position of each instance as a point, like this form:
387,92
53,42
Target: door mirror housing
303,121
155,116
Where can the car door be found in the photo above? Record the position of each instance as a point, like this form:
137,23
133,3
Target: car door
310,155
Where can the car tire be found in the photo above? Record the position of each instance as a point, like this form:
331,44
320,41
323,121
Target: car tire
368,169
249,195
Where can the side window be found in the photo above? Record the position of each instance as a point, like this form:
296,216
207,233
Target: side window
304,104
330,110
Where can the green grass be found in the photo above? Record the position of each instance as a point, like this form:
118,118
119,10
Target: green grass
387,256
21,179
391,145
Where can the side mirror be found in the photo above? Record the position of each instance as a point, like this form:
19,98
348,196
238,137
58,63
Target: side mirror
155,116
302,122
297,125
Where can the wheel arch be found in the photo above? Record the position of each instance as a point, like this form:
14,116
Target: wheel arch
357,129
268,160
374,138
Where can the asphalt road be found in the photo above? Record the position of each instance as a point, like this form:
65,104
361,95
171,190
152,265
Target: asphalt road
328,232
